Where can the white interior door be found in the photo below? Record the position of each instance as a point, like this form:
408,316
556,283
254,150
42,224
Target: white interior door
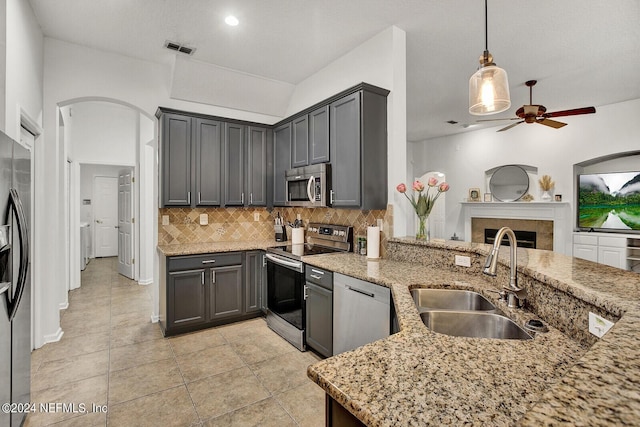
105,215
125,223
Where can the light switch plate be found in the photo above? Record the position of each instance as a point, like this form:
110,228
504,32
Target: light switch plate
256,216
598,325
165,219
204,219
463,261
380,223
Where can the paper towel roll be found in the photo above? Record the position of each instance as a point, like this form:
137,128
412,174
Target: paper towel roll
373,242
297,236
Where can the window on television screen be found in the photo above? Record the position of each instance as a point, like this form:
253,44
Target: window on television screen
609,201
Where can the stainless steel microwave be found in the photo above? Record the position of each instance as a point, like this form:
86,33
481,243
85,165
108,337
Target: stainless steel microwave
308,186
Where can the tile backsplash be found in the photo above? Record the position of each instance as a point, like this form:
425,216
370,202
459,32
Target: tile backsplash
238,224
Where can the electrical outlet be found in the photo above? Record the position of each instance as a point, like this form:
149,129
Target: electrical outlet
299,217
204,219
380,223
598,325
463,261
165,219
256,216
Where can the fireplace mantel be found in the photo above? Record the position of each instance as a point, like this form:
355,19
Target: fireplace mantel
558,212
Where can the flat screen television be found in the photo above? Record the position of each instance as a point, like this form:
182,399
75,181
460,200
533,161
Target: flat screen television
609,202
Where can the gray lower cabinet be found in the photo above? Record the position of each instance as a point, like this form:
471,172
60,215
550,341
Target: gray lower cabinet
254,272
281,162
200,291
358,150
186,297
318,296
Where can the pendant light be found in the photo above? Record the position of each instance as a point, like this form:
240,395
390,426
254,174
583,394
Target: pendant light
488,87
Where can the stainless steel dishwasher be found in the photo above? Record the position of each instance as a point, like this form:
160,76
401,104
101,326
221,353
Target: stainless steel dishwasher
361,312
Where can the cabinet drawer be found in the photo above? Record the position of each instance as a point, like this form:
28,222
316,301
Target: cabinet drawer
616,242
585,240
200,261
319,276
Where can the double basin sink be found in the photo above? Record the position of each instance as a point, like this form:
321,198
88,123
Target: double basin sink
463,313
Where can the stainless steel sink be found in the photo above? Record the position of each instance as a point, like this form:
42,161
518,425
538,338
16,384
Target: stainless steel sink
473,324
450,299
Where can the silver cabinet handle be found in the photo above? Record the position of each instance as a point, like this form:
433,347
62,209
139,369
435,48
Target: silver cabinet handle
305,295
331,197
317,271
188,197
369,294
209,261
250,198
213,276
199,198
203,277
242,198
315,277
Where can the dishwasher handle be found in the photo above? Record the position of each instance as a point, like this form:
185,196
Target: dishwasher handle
369,294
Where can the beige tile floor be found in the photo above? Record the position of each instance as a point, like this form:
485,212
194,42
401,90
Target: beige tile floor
111,356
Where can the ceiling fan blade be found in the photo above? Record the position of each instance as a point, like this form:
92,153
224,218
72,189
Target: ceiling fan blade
574,112
498,120
510,126
551,123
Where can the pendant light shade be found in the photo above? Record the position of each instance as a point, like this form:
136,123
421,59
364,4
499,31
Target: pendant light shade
489,91
489,86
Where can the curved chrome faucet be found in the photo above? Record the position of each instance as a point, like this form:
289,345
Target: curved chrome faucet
516,295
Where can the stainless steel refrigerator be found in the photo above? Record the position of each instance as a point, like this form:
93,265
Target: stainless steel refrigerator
15,282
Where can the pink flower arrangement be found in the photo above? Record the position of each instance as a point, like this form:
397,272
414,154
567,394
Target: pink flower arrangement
423,202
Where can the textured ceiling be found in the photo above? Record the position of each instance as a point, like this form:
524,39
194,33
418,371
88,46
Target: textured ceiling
581,52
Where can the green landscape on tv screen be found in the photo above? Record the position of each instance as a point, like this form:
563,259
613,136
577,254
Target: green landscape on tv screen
609,201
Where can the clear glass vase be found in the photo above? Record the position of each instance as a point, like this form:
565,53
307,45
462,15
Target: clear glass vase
423,228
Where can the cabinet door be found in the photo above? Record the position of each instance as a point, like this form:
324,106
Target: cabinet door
615,257
208,148
319,322
257,166
253,282
225,292
345,151
234,164
300,142
319,136
281,162
588,252
176,160
186,298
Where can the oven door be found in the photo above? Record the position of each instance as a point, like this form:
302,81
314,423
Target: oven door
285,299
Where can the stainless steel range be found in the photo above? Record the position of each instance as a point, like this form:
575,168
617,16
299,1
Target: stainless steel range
285,278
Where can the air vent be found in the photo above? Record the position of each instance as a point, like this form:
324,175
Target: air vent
179,48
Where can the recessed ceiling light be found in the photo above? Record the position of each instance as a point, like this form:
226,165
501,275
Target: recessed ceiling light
231,20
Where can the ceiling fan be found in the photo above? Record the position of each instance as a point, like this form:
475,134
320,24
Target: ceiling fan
538,113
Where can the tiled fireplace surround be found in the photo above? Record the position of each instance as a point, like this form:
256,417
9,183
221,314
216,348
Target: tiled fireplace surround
238,224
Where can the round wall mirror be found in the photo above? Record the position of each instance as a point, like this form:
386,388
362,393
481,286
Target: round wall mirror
509,183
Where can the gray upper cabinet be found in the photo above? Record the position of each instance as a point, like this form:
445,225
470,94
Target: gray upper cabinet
319,136
208,151
234,137
281,162
300,142
345,151
358,149
176,160
257,155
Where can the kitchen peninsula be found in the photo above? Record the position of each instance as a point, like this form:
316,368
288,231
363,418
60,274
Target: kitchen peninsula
564,376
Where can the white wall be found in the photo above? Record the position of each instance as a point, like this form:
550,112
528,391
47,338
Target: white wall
104,132
465,157
24,66
380,61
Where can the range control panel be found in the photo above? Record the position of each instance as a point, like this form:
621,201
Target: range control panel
334,233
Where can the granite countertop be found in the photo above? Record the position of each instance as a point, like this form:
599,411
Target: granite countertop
213,247
417,377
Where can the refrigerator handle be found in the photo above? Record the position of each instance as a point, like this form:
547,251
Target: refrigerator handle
23,235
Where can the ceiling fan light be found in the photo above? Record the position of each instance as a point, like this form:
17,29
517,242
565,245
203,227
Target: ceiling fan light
489,91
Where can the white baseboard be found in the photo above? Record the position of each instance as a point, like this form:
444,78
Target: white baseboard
145,282
155,318
54,337
64,305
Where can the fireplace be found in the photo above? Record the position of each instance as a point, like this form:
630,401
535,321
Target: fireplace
530,233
